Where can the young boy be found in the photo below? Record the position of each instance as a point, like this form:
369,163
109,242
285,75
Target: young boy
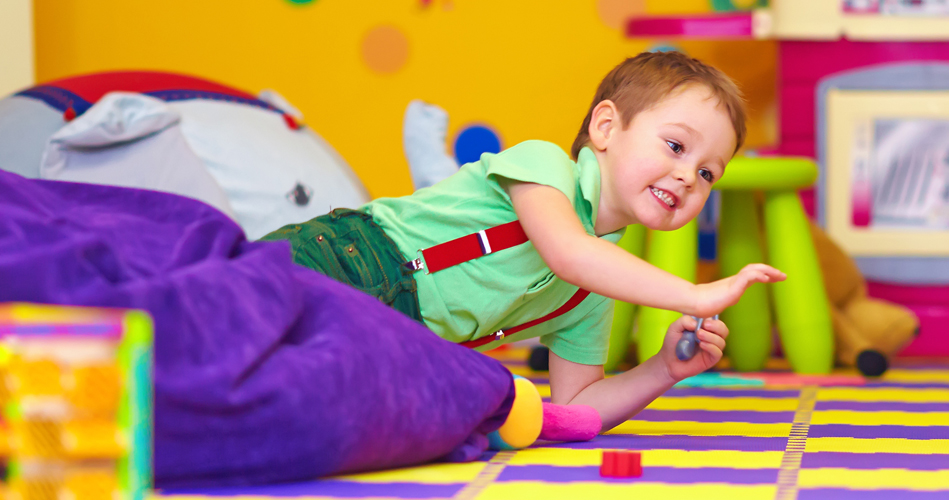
659,133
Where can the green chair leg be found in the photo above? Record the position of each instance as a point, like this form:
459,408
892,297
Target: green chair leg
800,302
749,321
634,241
676,252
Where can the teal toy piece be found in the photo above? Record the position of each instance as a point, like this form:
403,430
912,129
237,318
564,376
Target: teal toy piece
496,443
715,379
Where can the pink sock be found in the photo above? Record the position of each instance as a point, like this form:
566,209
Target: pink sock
570,423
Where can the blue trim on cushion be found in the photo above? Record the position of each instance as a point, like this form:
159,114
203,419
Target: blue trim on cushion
57,98
185,94
61,99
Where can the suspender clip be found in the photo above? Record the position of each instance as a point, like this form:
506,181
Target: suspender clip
416,264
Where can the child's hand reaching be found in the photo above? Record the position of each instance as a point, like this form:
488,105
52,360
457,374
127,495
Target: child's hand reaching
712,298
711,345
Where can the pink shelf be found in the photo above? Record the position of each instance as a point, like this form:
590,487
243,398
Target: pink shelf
710,26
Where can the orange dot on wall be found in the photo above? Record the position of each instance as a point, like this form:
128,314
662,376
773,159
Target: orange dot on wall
615,13
385,49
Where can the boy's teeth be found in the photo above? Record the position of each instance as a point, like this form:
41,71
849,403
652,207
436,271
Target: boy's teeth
664,196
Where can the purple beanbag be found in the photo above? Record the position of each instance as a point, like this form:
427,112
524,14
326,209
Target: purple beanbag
264,371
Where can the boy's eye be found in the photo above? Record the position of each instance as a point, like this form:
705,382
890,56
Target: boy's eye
707,175
675,147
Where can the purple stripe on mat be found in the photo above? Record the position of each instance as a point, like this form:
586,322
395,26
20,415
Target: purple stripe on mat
909,461
731,393
908,385
842,494
633,442
333,488
554,474
880,406
936,363
879,431
757,417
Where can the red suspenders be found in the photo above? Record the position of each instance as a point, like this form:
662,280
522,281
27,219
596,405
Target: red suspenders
474,245
574,301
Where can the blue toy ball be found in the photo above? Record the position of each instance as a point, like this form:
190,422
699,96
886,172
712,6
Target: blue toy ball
475,140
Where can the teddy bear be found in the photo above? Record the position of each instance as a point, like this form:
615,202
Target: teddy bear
867,331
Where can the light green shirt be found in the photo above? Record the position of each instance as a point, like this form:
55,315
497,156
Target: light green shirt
512,286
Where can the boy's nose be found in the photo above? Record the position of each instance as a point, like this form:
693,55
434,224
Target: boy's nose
685,175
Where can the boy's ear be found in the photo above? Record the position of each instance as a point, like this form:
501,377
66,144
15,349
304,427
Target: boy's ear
602,120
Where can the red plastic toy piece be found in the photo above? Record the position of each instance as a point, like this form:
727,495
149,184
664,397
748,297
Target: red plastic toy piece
621,463
69,115
608,466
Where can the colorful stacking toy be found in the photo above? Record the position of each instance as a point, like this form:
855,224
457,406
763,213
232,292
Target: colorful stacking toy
77,402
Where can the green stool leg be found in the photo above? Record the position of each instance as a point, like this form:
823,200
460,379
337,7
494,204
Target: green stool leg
676,252
800,302
633,242
749,321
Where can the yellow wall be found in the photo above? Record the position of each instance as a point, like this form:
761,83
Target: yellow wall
528,68
16,45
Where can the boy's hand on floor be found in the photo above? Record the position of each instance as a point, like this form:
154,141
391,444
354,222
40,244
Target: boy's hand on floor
712,298
711,345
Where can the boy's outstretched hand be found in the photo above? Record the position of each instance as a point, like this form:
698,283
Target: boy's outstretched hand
712,298
711,346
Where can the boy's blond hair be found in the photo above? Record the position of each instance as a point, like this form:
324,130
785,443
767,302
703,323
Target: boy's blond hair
638,83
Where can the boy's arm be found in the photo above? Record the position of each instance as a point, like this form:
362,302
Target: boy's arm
552,225
620,397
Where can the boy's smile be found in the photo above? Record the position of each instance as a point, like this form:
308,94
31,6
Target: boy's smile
659,171
669,200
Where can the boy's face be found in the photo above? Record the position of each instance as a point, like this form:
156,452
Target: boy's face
662,166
